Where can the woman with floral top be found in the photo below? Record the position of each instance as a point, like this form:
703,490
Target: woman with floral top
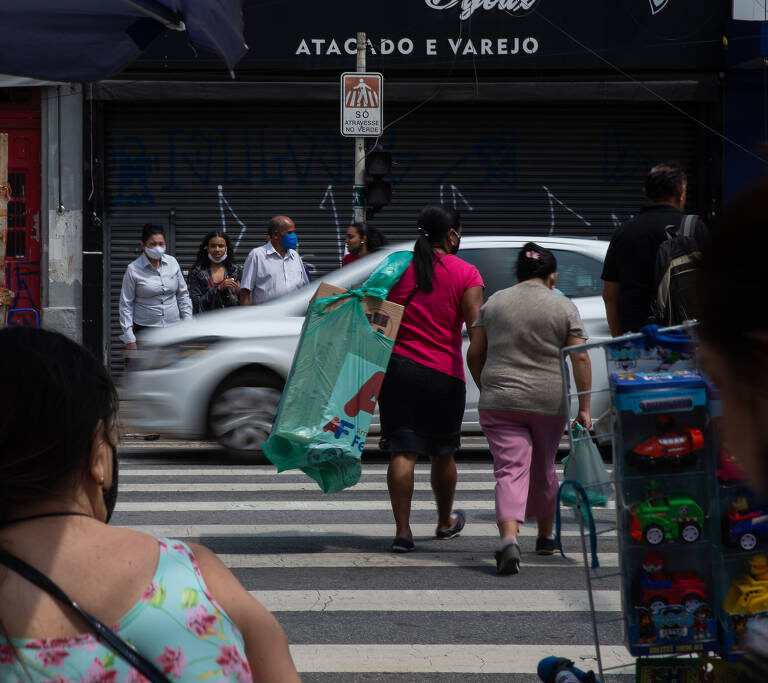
175,603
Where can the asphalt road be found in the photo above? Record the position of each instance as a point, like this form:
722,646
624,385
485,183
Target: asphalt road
352,610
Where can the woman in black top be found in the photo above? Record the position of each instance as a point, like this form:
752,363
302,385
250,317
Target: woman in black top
214,281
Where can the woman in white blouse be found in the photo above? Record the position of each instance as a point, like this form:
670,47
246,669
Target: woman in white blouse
154,292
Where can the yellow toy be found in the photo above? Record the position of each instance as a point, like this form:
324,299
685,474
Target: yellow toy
749,593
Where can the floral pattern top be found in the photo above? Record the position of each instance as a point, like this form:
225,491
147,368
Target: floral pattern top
177,624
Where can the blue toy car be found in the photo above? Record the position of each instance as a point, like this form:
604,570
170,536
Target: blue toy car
746,525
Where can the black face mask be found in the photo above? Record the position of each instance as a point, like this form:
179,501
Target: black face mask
455,247
110,494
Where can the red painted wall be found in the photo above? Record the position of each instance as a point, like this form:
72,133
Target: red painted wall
20,118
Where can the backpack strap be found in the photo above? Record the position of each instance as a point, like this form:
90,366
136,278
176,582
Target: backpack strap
688,223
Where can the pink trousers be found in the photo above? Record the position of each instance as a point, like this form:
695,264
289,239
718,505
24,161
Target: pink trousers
524,447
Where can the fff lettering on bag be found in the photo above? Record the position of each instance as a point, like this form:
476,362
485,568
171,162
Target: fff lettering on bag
364,401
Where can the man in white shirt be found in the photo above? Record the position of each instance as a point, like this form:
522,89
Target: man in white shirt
275,268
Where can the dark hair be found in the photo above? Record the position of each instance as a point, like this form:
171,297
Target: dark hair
150,229
53,394
202,261
733,317
374,240
664,181
435,222
535,261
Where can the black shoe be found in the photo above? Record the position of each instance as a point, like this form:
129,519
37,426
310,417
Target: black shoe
400,544
508,560
455,530
545,546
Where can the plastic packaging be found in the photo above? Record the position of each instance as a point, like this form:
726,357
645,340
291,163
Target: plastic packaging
586,466
330,395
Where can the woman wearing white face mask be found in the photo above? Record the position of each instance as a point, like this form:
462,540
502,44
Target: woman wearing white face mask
214,281
154,292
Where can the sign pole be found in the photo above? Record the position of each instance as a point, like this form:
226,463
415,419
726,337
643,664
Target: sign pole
359,189
6,297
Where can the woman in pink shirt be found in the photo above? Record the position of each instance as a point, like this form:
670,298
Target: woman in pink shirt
422,398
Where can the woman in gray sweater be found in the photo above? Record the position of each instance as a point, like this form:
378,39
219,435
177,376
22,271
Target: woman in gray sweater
515,361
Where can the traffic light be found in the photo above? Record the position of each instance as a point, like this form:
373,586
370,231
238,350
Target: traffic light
378,192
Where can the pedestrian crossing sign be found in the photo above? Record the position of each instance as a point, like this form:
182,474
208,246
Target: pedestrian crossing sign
361,104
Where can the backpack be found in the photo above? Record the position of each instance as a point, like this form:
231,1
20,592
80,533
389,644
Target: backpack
677,261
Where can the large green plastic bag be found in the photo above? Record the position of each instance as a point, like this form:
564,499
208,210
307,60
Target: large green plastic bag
330,395
585,465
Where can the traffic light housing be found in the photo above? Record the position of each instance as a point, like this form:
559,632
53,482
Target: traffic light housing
378,192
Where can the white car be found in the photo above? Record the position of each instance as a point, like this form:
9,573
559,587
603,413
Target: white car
220,374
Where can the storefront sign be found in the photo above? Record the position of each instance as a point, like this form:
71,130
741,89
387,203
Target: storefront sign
361,105
469,7
478,35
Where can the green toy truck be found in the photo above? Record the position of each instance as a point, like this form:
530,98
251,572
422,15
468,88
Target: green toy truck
666,518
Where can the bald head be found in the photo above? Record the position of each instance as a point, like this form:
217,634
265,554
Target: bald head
279,226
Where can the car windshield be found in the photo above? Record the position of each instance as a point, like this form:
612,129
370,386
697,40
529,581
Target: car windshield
578,274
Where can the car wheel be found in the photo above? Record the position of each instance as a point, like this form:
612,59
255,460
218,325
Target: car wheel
656,604
654,534
747,541
242,410
690,533
691,602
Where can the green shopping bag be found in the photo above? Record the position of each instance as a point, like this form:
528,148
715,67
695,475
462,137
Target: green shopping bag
585,465
330,395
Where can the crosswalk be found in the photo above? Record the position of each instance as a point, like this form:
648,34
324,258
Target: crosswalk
352,610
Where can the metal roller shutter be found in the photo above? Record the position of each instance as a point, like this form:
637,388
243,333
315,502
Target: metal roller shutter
525,168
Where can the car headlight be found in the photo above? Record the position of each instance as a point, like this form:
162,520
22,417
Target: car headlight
156,357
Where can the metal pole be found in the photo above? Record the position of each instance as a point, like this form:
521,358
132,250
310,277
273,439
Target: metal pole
359,189
593,614
6,297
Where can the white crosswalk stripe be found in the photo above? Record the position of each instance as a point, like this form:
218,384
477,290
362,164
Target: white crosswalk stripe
269,471
436,601
423,659
262,505
309,530
327,599
236,487
421,559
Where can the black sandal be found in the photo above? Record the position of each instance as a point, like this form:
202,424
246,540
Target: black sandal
400,544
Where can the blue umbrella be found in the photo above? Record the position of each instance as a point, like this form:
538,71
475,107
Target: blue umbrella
87,40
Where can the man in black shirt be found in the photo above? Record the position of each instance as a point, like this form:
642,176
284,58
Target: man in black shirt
629,278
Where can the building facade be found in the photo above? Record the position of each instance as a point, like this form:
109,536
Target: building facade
532,117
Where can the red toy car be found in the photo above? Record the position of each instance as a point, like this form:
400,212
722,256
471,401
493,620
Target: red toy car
658,589
671,443
730,469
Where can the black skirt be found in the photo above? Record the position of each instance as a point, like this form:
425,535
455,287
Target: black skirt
421,409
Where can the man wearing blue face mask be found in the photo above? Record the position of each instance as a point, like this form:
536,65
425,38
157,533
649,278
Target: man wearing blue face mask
275,268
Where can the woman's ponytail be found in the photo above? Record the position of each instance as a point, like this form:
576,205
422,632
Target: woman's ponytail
434,223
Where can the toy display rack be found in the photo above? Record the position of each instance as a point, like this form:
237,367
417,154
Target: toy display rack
671,537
